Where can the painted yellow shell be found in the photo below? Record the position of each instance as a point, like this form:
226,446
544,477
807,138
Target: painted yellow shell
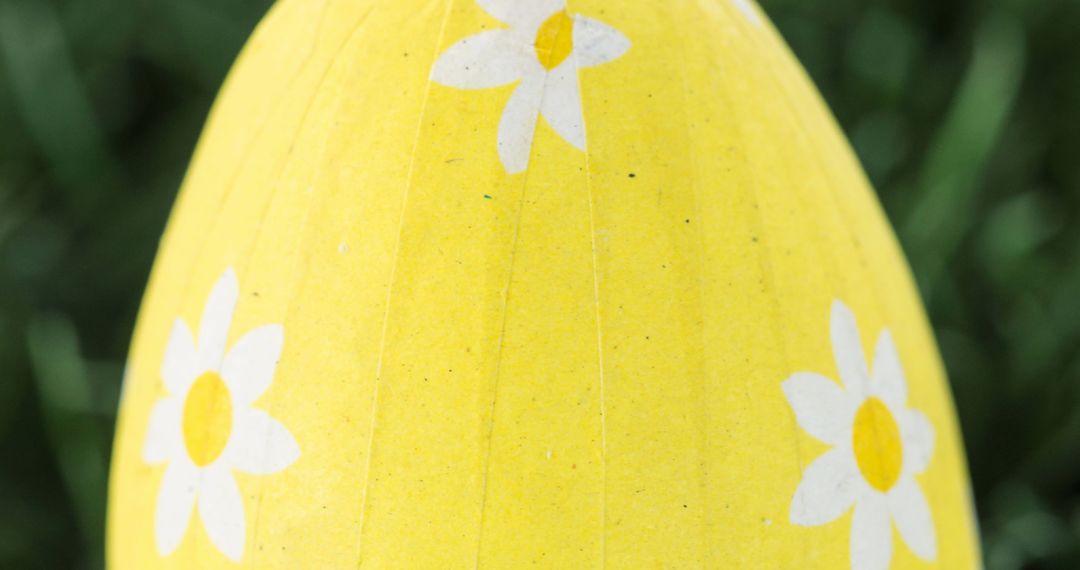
546,284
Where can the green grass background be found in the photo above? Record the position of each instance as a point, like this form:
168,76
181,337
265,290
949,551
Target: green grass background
965,113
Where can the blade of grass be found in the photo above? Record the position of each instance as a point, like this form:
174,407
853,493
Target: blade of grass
67,404
949,181
52,102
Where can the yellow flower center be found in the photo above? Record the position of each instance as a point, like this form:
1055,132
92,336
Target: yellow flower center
878,448
555,40
207,419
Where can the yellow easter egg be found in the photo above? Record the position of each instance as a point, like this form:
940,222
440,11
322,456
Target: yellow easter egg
509,284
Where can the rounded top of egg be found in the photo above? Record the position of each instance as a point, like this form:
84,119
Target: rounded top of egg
553,284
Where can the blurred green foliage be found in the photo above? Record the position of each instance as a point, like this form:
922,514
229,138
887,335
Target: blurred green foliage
101,102
966,114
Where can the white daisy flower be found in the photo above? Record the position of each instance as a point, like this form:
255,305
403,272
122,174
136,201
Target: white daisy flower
206,426
543,49
879,445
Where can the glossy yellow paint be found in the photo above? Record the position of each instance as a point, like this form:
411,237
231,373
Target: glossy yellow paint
578,366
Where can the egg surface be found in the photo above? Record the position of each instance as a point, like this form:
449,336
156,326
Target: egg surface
509,284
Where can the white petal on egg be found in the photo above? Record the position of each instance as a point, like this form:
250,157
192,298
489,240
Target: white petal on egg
917,434
911,512
518,123
526,15
561,105
748,9
164,439
887,377
487,59
221,509
176,498
829,487
822,408
847,350
871,534
249,367
596,43
260,444
216,318
180,366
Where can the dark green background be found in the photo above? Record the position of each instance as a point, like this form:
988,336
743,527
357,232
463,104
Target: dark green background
965,113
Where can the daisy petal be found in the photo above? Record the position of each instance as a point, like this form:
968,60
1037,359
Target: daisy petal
518,123
249,367
216,318
527,15
561,105
181,363
487,59
829,486
175,501
163,439
918,436
748,10
887,377
912,515
596,42
822,408
260,444
871,534
125,381
221,509
847,349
